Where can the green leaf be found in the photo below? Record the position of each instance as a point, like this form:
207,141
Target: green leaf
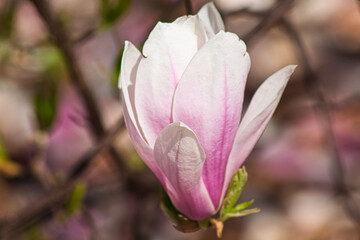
111,10
49,61
34,233
241,206
3,155
235,189
241,213
7,14
45,106
76,198
236,186
5,52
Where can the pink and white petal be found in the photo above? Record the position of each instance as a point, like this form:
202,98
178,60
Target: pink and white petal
257,116
168,51
194,24
209,100
211,19
181,158
130,63
142,148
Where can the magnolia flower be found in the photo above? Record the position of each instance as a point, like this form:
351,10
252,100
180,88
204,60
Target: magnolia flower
182,101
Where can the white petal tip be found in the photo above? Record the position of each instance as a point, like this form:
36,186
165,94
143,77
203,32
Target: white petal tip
282,76
130,58
289,69
211,18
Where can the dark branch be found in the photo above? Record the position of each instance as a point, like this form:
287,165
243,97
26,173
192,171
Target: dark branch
85,161
58,197
65,45
269,19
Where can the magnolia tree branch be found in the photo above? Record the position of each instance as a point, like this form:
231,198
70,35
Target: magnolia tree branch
37,211
56,198
270,18
105,142
66,46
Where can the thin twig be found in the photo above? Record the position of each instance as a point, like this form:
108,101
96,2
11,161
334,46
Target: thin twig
270,18
58,197
66,46
55,200
86,159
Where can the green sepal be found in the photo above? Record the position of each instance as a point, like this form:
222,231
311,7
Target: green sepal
241,213
205,223
184,224
234,191
241,206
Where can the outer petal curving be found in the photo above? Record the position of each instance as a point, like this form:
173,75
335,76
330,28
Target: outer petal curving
130,62
181,158
261,108
209,98
211,19
168,51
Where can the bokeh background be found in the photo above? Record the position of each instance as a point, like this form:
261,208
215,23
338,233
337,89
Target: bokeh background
61,179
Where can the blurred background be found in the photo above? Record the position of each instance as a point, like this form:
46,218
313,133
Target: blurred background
67,166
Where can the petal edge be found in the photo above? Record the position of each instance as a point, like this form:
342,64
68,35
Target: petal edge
181,158
257,116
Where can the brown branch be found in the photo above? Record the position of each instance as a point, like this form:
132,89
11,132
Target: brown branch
37,211
269,19
66,46
58,197
105,142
